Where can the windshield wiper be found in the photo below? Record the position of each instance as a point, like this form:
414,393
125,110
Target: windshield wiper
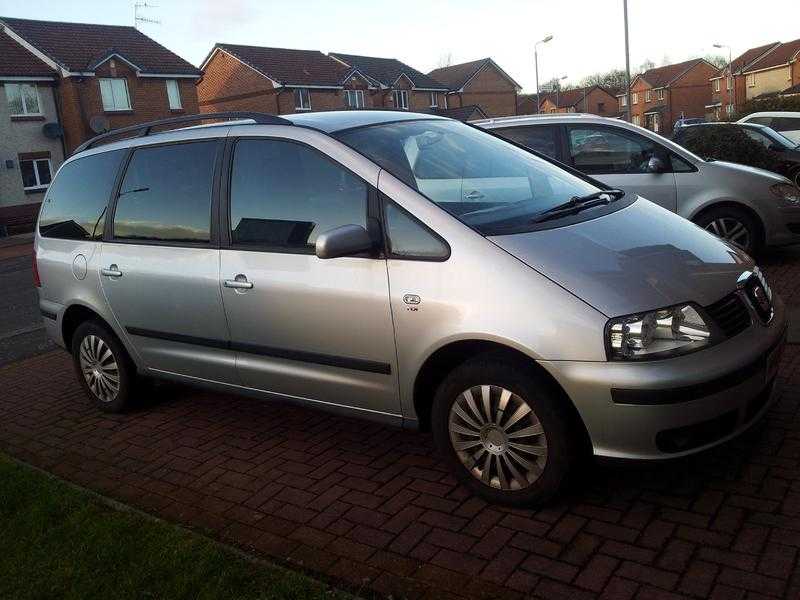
578,203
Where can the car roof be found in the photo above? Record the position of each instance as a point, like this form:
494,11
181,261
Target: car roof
339,120
773,113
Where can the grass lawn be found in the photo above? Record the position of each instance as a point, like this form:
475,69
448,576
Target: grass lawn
56,542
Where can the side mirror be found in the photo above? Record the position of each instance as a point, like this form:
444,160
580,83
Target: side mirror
346,240
656,165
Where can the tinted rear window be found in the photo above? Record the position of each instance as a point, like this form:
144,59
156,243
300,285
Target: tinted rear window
75,207
166,194
542,138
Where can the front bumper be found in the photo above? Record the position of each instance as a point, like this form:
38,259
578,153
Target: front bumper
698,400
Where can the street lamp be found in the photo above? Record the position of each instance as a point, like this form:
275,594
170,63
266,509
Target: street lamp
544,40
558,91
729,79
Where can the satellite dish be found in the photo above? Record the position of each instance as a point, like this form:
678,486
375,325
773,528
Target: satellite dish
99,124
52,130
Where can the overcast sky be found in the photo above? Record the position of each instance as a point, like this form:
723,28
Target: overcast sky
588,34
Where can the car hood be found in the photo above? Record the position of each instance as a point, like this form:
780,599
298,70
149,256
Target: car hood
639,258
744,169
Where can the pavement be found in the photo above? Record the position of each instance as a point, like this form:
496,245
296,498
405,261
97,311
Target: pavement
374,508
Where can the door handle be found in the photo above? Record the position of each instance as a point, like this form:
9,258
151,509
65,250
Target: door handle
112,271
238,283
474,195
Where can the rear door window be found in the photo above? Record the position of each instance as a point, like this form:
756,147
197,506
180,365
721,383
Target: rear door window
75,206
542,138
601,150
284,194
166,194
784,124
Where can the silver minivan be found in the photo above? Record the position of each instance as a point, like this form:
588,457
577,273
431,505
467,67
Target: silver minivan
747,206
409,269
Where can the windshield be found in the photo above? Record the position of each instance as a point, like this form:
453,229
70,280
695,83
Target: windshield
487,183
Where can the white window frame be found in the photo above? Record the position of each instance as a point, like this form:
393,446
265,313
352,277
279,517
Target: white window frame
660,94
434,100
647,96
400,99
635,98
25,112
36,161
637,120
729,109
729,83
716,85
623,101
113,106
177,88
359,97
751,80
300,102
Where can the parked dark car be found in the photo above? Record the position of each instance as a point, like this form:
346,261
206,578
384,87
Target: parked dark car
775,151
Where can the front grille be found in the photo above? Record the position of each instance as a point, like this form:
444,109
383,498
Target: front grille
730,314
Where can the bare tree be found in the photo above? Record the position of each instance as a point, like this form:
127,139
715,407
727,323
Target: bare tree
719,61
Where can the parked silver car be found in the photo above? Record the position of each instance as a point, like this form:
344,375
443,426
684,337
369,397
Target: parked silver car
747,206
413,270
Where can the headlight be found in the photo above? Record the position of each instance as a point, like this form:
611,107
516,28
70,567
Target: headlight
657,334
786,191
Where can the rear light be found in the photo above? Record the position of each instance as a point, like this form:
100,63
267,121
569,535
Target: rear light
36,281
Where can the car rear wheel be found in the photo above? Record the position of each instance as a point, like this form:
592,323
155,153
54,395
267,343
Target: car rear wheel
104,369
733,225
504,432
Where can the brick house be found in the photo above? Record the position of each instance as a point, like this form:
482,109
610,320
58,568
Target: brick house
107,76
30,148
776,72
482,83
401,86
594,100
731,91
662,95
282,81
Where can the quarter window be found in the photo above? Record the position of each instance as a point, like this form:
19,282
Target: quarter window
114,93
400,99
355,98
166,194
23,99
173,95
74,210
542,138
302,99
35,172
408,238
603,151
283,195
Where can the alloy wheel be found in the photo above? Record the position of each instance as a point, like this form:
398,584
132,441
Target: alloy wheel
99,368
732,230
498,437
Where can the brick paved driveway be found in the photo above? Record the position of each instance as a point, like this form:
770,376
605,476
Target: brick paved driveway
373,507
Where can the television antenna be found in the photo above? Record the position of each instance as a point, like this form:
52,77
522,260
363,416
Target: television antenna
137,18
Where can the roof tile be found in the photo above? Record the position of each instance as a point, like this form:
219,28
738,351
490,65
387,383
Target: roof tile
781,55
387,70
291,67
16,61
663,76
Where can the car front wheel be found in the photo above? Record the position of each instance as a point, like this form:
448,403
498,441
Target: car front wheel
504,432
732,225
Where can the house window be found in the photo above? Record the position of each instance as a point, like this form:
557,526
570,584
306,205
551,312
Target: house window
601,107
647,96
716,85
302,99
354,98
434,100
23,99
623,101
400,99
729,83
36,173
637,120
660,94
729,109
115,94
635,98
751,80
173,94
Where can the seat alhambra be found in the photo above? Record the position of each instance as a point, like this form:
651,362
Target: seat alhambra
409,269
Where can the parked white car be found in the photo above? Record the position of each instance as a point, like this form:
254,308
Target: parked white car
786,123
749,207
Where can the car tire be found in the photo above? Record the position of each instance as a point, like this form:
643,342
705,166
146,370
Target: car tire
733,225
497,455
104,369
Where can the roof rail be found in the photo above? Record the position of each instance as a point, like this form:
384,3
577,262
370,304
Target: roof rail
144,129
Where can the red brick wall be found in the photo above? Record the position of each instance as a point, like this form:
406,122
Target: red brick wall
690,94
640,86
228,84
80,100
489,90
